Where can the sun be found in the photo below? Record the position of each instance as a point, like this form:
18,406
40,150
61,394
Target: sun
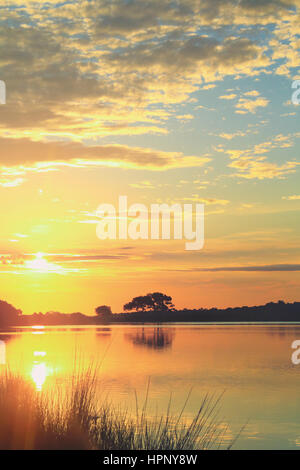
40,265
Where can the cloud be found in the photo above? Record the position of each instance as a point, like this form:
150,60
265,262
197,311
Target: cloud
228,97
246,102
87,258
94,68
20,260
81,71
10,183
264,268
252,93
247,105
19,153
292,198
252,163
207,200
228,136
209,86
184,117
143,185
188,54
261,169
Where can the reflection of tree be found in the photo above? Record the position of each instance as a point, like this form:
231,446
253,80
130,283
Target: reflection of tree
155,338
103,332
282,331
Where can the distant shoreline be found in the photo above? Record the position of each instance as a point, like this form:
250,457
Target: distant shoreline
272,312
156,324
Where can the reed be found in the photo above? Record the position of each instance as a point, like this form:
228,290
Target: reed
70,417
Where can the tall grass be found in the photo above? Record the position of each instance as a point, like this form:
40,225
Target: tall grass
69,417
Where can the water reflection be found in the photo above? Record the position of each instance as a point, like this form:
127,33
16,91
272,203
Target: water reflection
156,338
281,332
103,332
39,374
40,370
251,362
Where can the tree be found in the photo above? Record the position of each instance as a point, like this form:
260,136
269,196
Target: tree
161,301
155,301
103,311
142,302
8,314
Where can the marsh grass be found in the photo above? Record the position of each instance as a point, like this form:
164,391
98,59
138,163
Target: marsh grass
70,417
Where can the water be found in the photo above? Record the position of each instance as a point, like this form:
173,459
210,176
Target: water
251,363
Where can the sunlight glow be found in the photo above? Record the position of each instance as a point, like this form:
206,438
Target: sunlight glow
40,370
38,330
39,374
40,265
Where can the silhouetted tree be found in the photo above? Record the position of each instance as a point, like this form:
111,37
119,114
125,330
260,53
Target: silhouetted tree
142,302
103,311
155,301
8,314
161,301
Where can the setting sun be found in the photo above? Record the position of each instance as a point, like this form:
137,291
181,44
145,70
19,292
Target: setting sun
41,265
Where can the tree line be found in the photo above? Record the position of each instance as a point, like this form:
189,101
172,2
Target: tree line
154,307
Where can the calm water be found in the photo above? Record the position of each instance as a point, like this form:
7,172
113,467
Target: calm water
251,363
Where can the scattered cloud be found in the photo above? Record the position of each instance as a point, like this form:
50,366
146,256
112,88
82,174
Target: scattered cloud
292,198
229,136
252,162
206,200
245,105
265,268
97,68
261,169
251,93
228,97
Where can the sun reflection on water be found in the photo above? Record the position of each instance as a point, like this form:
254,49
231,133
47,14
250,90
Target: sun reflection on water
38,330
39,374
40,370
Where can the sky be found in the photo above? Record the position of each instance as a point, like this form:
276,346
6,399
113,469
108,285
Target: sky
165,102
